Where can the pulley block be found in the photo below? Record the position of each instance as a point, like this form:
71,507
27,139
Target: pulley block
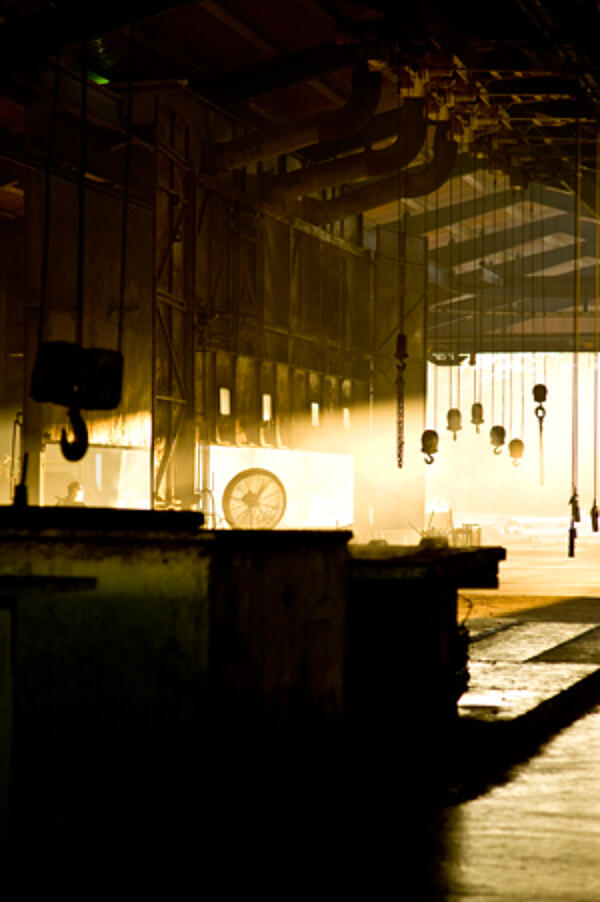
575,511
515,449
454,420
497,438
64,373
540,394
477,415
79,379
429,444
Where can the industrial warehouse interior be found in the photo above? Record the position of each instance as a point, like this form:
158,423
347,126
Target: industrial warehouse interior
299,394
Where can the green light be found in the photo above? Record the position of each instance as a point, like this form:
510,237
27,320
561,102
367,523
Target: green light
98,79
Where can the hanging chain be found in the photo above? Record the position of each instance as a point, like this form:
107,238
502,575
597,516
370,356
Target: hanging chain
126,180
81,192
48,199
574,499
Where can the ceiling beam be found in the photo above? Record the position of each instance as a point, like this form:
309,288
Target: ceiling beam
284,71
262,42
68,23
478,248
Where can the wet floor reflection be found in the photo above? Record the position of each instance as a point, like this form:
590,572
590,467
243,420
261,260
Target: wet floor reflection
534,838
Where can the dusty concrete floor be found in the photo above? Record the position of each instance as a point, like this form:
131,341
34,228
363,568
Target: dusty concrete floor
532,834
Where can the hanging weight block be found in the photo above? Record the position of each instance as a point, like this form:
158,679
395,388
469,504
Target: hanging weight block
454,419
102,379
540,393
429,444
57,373
477,414
64,373
515,449
497,438
594,516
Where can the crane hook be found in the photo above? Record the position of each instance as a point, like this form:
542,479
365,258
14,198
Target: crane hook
76,449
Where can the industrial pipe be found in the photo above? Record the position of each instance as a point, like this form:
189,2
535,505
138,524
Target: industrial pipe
379,128
412,130
326,126
417,181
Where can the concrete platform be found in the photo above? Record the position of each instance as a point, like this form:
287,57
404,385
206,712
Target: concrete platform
528,678
516,667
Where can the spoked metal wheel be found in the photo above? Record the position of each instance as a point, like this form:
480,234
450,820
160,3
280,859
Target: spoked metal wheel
254,499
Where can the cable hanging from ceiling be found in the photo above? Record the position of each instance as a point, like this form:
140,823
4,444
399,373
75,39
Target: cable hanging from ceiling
401,343
477,406
574,499
430,437
126,186
498,431
594,509
516,445
454,415
540,389
66,373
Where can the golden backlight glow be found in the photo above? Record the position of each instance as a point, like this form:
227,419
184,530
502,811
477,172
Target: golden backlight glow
477,485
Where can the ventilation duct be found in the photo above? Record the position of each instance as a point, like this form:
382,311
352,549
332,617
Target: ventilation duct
412,131
415,182
326,126
379,128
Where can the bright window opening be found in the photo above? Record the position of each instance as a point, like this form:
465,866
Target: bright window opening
267,408
314,413
224,402
346,417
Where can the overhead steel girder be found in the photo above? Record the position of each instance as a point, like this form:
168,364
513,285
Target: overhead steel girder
545,288
480,248
502,242
556,196
293,68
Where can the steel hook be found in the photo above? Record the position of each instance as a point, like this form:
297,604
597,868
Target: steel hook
497,450
76,449
429,459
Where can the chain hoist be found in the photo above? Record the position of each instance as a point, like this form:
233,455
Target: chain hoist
515,449
454,421
477,415
429,445
540,394
497,438
401,355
